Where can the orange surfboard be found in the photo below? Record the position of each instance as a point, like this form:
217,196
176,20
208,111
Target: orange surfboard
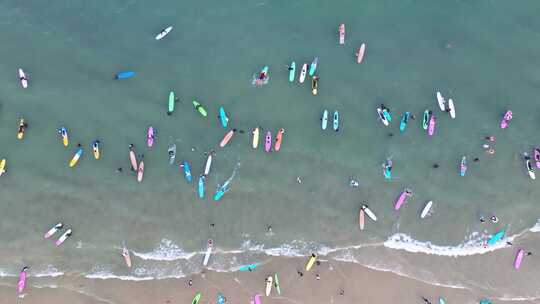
279,138
227,138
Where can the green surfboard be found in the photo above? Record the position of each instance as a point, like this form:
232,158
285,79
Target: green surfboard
199,108
171,103
197,298
276,284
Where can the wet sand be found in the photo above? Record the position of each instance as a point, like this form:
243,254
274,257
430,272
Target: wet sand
360,285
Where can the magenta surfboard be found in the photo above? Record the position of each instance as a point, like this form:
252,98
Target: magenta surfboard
519,257
268,142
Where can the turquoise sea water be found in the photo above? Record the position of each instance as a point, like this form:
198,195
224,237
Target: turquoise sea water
482,54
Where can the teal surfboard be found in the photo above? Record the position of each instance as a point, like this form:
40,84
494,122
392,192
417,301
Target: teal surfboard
202,178
495,238
336,121
223,117
404,121
292,71
313,66
249,267
387,115
425,120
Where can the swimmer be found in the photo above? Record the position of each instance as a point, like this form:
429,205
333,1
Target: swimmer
490,151
482,219
494,219
298,180
353,183
476,159
490,138
435,166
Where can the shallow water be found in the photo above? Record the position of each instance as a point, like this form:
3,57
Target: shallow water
481,54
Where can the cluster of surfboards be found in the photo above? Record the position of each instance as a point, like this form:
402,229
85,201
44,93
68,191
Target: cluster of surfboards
272,281
361,216
446,106
95,146
402,199
361,50
335,123
55,229
312,69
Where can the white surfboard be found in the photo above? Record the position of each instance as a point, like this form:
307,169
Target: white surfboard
208,164
209,247
441,101
269,281
23,79
369,213
164,32
451,108
303,73
426,209
382,117
324,120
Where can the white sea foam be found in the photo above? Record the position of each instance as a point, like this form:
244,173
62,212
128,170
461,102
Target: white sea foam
536,227
473,245
50,272
107,275
166,250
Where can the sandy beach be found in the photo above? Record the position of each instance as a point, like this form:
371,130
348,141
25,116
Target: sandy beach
359,285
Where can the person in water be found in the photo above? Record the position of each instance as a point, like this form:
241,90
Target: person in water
490,138
494,219
435,166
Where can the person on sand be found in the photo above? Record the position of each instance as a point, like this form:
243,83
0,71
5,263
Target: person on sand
426,300
317,277
300,274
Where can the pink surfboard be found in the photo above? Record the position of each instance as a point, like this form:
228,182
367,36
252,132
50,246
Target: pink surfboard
519,257
431,127
342,33
150,136
268,142
536,154
258,299
22,280
402,198
360,53
506,119
227,138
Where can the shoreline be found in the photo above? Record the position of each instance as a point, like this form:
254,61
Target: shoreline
360,285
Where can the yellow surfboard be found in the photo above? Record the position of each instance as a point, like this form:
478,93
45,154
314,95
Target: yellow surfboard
311,261
20,133
255,142
95,148
2,166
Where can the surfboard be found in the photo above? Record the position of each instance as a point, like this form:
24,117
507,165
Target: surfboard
197,298
382,116
64,135
313,66
519,257
76,157
187,171
276,284
431,126
360,53
303,73
426,209
425,120
441,101
150,135
22,279
249,267
199,108
279,139
336,121
53,230
2,166
208,164
292,71
63,238
268,142
202,178
170,108
311,261
23,79
209,246
171,151
361,219
314,85
529,167
164,32
133,157
269,281
495,238
140,171
124,75
22,128
255,141
227,138
324,120
95,149
404,121
223,118
451,108
127,257
341,33
369,213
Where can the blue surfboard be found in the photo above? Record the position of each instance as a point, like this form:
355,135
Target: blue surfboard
202,178
495,238
223,117
124,75
187,171
404,121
